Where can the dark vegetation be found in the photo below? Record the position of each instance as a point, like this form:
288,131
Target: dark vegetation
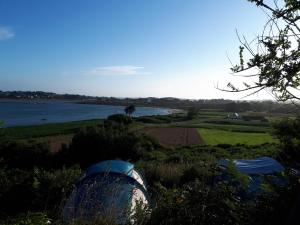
27,132
34,183
161,119
129,109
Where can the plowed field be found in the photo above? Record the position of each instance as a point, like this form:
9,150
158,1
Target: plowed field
174,136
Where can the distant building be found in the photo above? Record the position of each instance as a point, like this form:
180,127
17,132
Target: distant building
234,116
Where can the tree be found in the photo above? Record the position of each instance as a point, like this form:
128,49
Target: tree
287,131
274,64
1,128
129,109
192,112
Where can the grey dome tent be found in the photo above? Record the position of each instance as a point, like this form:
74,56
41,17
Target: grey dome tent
109,189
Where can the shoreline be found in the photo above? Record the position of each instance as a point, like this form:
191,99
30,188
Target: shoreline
36,113
41,100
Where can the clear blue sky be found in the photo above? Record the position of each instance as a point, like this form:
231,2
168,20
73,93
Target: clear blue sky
123,48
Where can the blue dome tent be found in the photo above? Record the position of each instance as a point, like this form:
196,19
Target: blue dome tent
109,189
256,170
262,165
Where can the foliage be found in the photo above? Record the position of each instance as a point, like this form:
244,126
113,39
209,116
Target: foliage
288,132
192,113
1,128
129,109
167,174
180,180
120,118
28,219
15,154
238,177
112,142
198,203
277,56
35,189
161,119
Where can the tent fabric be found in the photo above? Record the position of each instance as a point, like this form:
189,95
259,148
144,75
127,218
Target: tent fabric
262,165
114,166
257,170
108,188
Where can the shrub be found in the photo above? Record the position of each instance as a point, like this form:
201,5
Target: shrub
102,143
199,203
192,112
120,118
28,219
15,154
168,175
201,172
196,203
151,119
34,190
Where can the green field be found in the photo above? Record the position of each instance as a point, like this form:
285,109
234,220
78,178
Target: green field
216,136
22,132
213,127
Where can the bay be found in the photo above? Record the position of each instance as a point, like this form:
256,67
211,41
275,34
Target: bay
23,112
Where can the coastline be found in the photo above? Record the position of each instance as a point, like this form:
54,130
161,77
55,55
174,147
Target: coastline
39,111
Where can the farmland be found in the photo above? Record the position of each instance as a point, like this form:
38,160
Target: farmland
215,136
214,127
209,127
174,136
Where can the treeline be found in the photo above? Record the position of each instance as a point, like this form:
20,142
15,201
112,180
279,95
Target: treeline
39,95
202,104
175,103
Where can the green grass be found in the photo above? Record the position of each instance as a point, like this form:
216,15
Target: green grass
22,132
215,136
238,122
216,120
232,128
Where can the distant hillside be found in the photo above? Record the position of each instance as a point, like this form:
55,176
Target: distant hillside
168,102
40,95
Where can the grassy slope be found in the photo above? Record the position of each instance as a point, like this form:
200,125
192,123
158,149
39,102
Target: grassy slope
23,132
215,136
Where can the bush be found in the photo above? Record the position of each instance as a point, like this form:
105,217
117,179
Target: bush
33,190
199,203
196,203
192,113
102,143
28,219
168,175
120,118
152,119
15,154
201,172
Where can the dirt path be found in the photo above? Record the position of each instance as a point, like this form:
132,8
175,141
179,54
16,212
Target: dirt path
174,136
